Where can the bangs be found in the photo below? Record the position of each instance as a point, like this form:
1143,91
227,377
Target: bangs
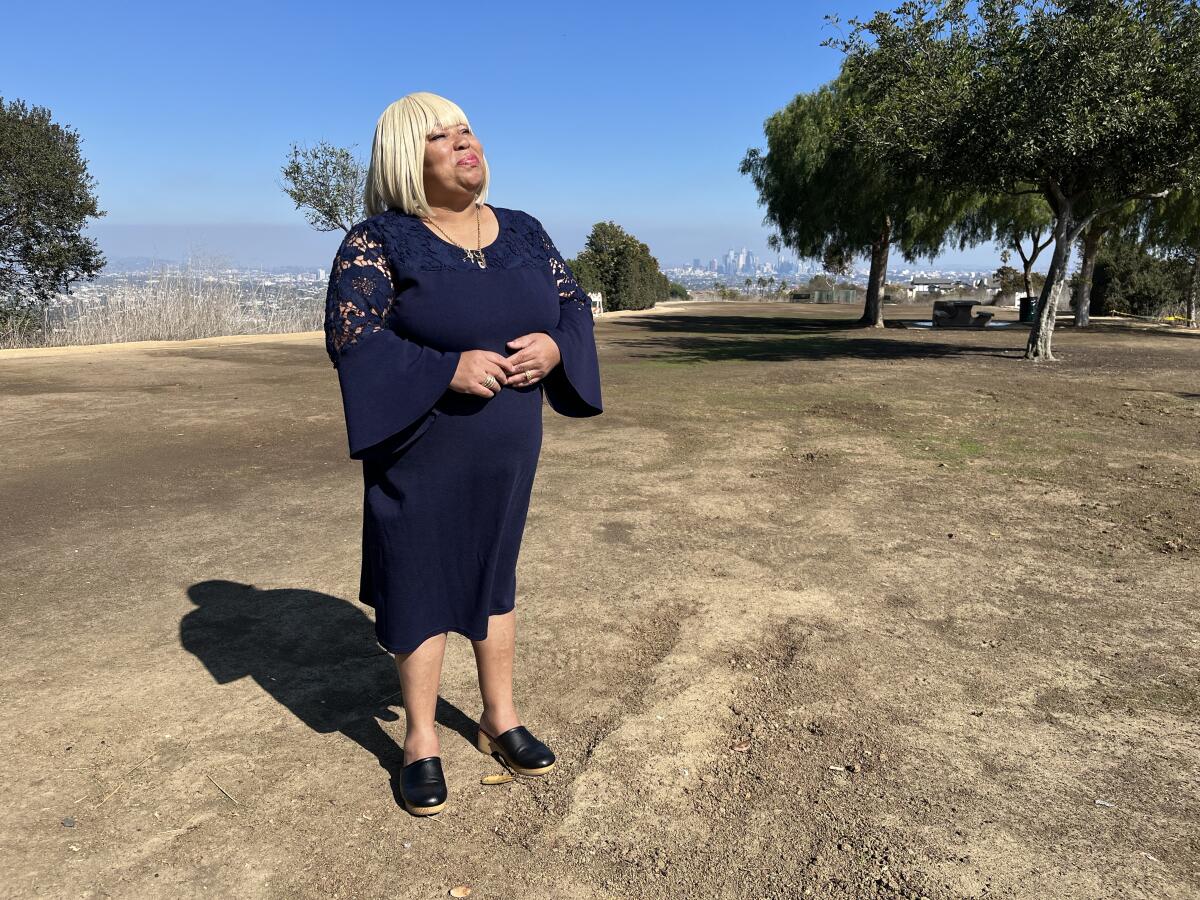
431,112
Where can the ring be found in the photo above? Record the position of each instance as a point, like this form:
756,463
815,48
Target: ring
489,381
528,377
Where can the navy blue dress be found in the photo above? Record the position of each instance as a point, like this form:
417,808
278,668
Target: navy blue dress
447,475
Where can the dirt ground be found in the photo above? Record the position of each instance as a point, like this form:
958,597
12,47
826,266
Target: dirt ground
809,611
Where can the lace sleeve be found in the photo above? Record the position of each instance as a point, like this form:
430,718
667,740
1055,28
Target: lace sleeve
360,292
389,383
569,291
573,387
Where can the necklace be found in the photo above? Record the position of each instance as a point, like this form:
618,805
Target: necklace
476,256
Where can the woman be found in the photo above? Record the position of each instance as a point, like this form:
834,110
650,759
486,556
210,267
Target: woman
447,319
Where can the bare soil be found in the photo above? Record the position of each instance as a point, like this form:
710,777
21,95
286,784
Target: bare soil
809,611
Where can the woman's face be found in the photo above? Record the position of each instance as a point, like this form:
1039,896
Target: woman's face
453,163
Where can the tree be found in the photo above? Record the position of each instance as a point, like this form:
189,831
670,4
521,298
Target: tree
621,267
585,274
1173,225
1130,279
831,198
46,196
328,183
1093,102
1011,220
1089,245
1009,280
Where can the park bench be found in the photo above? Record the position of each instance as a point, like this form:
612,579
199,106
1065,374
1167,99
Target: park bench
957,314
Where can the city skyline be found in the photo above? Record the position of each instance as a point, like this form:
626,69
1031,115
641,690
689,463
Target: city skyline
687,273
268,246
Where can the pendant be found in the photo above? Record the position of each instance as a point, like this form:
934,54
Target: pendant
475,256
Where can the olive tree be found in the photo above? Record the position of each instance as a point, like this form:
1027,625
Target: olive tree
328,183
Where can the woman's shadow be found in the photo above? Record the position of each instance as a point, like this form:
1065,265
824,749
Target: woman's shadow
314,653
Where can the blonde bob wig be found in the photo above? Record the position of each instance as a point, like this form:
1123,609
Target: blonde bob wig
395,179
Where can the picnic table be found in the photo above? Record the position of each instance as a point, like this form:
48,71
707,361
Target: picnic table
957,314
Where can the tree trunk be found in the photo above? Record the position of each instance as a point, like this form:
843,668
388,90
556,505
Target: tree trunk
872,316
1042,332
1083,293
1193,294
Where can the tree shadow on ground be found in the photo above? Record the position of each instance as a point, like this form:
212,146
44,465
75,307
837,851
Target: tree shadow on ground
315,654
1176,332
696,338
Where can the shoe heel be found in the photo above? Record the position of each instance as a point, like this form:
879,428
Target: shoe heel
484,743
491,748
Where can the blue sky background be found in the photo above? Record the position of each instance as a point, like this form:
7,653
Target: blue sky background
634,112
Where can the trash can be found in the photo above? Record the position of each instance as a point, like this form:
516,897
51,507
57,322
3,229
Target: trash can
1026,310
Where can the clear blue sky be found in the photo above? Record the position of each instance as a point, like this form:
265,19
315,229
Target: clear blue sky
635,112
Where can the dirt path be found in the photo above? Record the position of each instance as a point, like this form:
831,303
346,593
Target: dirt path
809,611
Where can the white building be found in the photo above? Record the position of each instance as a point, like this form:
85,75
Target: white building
932,285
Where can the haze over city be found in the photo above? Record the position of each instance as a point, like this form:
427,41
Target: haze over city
184,171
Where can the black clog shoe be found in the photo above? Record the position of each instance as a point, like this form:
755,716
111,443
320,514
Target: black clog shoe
520,750
423,786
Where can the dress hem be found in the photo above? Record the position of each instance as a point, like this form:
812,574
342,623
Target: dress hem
444,629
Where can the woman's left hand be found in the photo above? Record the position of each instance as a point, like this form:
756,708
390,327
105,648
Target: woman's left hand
537,353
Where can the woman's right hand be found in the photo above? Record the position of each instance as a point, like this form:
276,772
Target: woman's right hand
474,366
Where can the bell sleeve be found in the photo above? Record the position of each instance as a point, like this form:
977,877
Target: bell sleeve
389,384
572,388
